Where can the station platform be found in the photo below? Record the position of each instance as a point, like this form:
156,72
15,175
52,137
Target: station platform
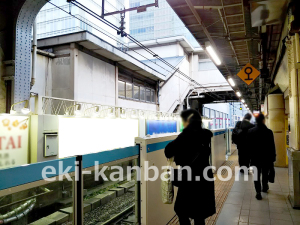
241,207
236,203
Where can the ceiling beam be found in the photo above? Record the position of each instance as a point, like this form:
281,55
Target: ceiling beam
216,6
187,17
235,24
179,6
236,32
239,14
189,3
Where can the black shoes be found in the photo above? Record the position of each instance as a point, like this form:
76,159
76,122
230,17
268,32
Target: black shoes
258,196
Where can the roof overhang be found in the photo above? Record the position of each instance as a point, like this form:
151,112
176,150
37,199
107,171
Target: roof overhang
185,44
226,25
105,49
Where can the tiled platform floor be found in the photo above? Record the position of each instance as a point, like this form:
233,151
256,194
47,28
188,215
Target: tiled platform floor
242,208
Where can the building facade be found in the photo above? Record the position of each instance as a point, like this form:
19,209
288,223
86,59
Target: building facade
53,21
157,23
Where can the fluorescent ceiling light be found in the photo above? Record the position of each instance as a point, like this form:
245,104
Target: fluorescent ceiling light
246,105
213,55
238,94
242,100
231,82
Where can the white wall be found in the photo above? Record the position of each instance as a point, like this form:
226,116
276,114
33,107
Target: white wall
43,80
94,80
175,90
2,84
165,51
136,105
210,78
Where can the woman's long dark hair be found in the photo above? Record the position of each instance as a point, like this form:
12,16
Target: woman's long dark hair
192,115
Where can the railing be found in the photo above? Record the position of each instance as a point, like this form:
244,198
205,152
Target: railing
24,189
68,107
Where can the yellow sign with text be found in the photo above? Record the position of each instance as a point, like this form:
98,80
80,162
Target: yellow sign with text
248,74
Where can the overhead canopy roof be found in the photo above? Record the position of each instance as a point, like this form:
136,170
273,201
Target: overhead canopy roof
226,25
105,49
160,66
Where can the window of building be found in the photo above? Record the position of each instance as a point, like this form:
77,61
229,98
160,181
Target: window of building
121,88
136,92
148,95
142,91
128,90
152,96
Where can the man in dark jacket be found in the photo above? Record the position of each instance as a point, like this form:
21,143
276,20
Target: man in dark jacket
242,145
263,153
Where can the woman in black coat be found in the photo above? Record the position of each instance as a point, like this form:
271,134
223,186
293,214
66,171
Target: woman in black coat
195,198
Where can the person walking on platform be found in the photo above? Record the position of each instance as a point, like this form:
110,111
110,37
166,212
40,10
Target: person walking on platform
195,197
239,137
263,155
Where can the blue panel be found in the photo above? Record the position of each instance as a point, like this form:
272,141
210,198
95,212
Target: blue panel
161,126
109,156
26,174
157,146
220,132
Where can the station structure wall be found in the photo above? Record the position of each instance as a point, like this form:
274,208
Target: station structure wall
2,83
164,51
75,75
95,80
175,90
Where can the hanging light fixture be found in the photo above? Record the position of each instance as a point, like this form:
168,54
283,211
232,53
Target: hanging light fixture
213,54
25,110
123,113
76,112
231,82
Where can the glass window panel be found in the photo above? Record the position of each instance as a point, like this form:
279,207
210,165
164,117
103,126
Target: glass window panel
142,91
152,96
121,88
148,95
136,90
206,112
128,90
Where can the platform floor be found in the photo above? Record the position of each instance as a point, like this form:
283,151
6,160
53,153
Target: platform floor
241,206
236,203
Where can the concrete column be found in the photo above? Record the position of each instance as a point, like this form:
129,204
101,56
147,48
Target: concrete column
294,97
116,85
276,121
73,70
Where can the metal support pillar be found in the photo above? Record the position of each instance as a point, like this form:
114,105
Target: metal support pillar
78,193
